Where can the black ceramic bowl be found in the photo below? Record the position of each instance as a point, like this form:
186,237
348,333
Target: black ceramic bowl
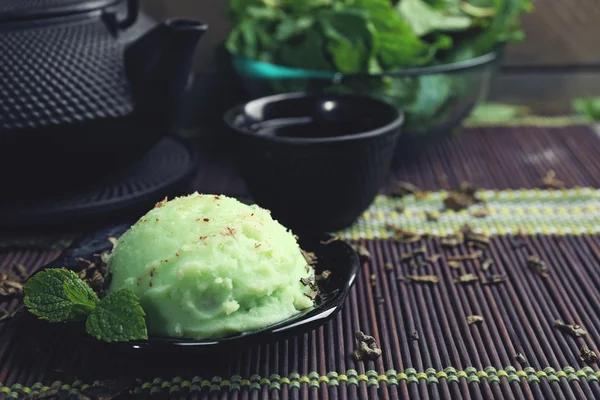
317,161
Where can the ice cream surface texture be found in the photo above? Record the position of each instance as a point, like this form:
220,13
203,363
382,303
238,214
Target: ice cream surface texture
208,266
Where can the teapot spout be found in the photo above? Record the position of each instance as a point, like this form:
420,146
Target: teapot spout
158,67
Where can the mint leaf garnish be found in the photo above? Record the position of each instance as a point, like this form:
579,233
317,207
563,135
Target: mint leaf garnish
118,317
59,295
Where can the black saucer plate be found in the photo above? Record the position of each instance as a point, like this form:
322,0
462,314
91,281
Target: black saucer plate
337,257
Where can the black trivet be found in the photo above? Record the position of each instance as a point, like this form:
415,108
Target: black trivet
164,171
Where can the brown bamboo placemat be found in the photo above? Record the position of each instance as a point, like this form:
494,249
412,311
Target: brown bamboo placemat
450,359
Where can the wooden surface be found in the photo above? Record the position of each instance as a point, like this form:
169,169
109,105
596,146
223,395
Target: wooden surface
559,33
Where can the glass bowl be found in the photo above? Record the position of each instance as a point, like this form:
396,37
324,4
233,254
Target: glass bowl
435,99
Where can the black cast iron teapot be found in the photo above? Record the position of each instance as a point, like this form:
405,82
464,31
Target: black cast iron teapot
77,100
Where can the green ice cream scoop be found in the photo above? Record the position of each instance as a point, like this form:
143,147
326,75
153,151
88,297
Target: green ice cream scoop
207,266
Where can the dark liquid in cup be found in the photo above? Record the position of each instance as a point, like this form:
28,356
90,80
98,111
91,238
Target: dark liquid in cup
308,127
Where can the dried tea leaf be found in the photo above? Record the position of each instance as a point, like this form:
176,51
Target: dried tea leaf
486,264
413,264
373,280
4,314
22,272
521,234
466,279
420,196
473,319
419,250
521,359
312,295
588,355
462,198
534,262
454,264
112,240
389,267
432,216
453,240
333,239
420,279
481,212
310,257
549,181
323,276
494,280
404,236
415,335
363,253
405,257
367,347
471,256
161,203
434,258
574,330
402,189
306,281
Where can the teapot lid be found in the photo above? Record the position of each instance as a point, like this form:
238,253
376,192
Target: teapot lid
11,10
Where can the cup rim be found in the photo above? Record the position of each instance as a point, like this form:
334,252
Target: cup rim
392,125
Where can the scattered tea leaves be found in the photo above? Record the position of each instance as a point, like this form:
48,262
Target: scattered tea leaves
419,250
521,359
454,264
405,257
306,281
473,319
363,253
486,264
549,181
404,236
573,330
466,279
415,335
420,279
367,347
463,257
312,295
402,189
588,355
373,280
323,276
494,280
462,198
389,267
432,216
453,240
537,264
329,241
310,257
420,196
481,212
434,258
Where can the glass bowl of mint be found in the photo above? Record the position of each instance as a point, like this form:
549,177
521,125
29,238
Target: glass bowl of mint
434,59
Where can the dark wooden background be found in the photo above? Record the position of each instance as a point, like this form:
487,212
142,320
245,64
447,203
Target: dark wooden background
559,60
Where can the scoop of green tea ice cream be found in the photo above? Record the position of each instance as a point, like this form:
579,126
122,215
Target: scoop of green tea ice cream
207,266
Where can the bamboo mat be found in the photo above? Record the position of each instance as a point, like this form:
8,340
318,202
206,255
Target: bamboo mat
447,358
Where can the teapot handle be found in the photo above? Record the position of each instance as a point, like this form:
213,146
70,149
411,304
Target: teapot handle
133,9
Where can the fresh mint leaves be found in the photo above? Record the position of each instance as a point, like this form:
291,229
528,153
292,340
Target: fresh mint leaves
58,295
118,318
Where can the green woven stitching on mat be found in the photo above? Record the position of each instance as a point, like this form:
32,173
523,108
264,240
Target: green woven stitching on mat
573,211
314,379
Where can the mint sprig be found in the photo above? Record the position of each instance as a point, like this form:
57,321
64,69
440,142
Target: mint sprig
59,295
